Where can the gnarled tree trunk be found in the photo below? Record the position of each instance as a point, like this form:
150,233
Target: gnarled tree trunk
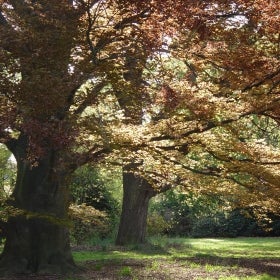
137,193
37,238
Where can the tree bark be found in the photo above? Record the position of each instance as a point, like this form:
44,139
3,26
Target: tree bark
37,238
137,193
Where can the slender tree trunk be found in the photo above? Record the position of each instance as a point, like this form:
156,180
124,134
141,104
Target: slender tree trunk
37,238
137,193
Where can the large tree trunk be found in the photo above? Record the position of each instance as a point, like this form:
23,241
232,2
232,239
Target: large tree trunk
37,239
137,193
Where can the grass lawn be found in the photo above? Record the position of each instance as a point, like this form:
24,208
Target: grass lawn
178,259
183,258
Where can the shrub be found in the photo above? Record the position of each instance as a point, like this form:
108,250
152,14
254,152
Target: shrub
156,224
87,221
210,216
92,196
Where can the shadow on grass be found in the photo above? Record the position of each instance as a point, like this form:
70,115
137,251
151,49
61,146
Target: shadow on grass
270,266
149,249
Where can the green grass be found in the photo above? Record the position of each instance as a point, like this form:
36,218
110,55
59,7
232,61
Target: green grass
236,248
170,248
125,271
215,258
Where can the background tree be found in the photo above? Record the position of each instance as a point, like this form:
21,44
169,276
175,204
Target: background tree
214,96
201,108
137,191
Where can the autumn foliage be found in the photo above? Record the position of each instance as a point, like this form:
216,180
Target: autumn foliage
62,61
179,88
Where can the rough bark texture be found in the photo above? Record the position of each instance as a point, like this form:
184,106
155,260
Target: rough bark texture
37,239
137,193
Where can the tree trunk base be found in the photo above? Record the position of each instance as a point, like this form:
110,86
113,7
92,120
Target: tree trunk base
137,193
14,266
35,246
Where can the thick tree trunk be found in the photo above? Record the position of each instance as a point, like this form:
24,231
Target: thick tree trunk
37,239
137,193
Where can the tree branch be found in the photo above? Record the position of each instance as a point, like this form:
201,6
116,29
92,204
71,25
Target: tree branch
91,98
265,79
132,19
93,155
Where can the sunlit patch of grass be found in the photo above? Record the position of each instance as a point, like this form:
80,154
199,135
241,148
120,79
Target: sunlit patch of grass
172,248
229,247
213,257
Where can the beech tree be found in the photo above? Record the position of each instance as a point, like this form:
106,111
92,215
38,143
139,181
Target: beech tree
56,57
241,62
69,97
219,89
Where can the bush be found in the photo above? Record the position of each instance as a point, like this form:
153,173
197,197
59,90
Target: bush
174,209
156,224
87,221
209,216
89,187
92,196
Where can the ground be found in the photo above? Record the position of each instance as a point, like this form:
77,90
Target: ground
194,259
180,269
192,269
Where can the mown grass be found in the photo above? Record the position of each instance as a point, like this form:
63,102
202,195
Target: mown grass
182,258
170,248
187,258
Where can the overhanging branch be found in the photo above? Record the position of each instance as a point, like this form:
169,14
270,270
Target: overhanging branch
91,98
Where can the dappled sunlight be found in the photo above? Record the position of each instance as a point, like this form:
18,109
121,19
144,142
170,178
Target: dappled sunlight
187,258
236,247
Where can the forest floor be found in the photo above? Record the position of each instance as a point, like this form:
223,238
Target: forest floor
177,259
196,268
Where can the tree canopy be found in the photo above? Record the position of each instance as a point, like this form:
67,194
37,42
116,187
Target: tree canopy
181,89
